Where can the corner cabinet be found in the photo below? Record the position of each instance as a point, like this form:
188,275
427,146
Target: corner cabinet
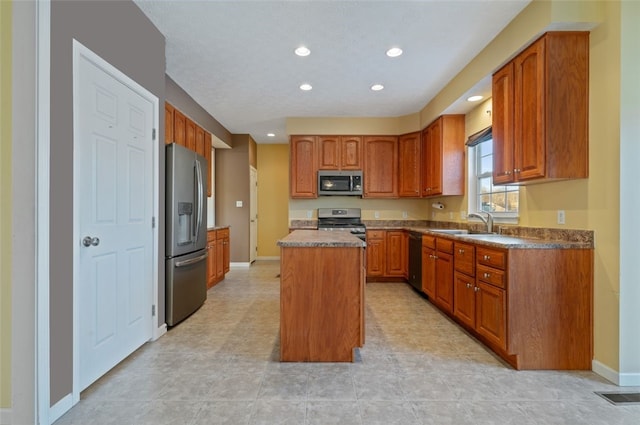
540,111
380,171
443,157
303,175
410,175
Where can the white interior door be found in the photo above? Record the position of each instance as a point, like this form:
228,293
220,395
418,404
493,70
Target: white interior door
113,178
253,213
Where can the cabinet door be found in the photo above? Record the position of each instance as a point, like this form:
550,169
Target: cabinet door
199,140
429,271
207,156
211,258
396,264
190,134
226,259
444,281
303,178
409,160
491,314
219,259
432,159
464,299
376,254
179,127
351,152
380,171
168,123
502,125
529,117
328,152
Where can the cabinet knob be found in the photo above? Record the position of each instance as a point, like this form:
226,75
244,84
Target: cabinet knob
517,170
461,251
468,285
476,289
487,275
508,173
487,257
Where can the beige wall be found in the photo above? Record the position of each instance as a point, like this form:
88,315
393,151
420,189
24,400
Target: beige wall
5,204
273,197
592,203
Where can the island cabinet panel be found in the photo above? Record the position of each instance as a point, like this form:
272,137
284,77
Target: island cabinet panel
541,111
410,167
380,172
321,296
304,168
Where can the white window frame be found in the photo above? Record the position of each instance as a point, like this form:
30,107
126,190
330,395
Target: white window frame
472,191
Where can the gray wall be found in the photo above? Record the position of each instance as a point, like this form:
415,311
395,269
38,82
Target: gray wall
232,184
121,34
180,99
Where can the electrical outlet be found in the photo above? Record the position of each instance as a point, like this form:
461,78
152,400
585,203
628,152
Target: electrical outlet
561,217
309,214
376,214
404,214
463,214
238,204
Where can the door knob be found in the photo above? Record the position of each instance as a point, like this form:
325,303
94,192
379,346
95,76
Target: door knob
88,241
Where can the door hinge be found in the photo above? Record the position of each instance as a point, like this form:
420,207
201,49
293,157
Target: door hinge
153,134
153,222
153,310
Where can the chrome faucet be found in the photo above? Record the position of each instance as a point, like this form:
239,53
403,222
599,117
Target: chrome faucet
487,221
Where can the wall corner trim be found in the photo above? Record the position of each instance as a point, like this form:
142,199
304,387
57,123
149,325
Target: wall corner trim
606,372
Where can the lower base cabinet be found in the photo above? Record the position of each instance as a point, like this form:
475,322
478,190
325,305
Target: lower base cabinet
387,254
218,255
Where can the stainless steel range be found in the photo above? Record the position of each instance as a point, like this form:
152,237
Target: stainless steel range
342,218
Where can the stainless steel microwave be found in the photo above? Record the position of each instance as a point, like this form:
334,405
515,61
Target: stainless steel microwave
332,182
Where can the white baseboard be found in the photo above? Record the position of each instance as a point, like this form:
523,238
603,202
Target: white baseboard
621,379
5,416
268,258
60,408
159,331
240,265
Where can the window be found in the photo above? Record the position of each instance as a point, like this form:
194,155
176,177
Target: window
501,201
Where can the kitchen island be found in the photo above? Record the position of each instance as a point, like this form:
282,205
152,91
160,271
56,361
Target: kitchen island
322,277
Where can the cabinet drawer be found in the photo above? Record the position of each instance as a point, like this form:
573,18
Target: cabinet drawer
444,245
493,276
211,235
464,258
429,241
376,234
491,257
222,233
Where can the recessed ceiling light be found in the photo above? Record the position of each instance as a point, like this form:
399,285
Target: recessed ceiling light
377,87
474,98
305,87
271,135
394,52
302,51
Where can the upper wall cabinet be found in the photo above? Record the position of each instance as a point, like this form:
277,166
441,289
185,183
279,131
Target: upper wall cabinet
540,112
303,176
339,152
380,171
409,160
168,123
443,157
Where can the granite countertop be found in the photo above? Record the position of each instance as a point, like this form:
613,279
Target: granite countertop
321,238
217,227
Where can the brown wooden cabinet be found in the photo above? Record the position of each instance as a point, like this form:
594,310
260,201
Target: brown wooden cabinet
223,235
190,134
410,165
218,255
376,253
199,140
168,123
397,253
211,258
179,128
429,266
339,152
444,275
380,170
541,110
304,170
443,156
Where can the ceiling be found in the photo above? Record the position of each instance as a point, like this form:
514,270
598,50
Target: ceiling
236,59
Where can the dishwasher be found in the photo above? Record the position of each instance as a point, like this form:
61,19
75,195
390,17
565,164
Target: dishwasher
415,260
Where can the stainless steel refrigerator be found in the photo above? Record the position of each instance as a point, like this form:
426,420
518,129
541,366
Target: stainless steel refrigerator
186,233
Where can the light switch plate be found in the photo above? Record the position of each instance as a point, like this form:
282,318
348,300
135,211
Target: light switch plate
561,217
238,204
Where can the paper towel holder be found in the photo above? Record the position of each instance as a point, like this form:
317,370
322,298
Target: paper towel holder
437,206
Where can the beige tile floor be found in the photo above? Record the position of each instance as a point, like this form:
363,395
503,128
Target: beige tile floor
220,366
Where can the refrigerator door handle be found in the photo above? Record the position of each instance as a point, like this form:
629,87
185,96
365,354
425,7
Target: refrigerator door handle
191,261
199,198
